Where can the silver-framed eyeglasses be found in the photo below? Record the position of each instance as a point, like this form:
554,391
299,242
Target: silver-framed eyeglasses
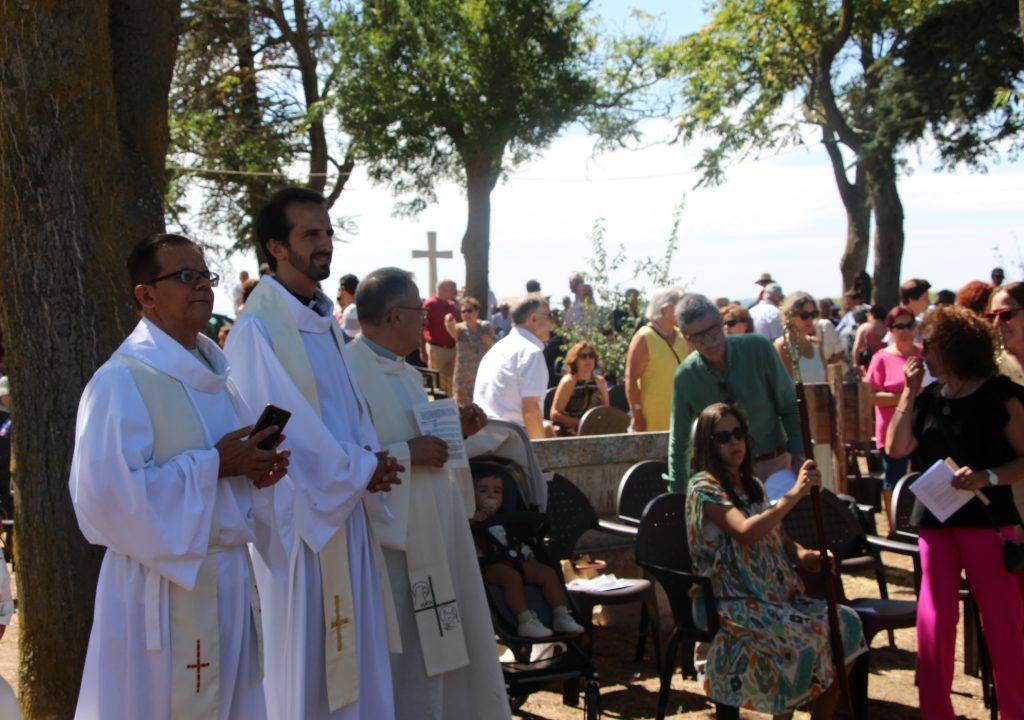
188,276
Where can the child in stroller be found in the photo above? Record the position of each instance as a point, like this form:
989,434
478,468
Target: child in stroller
508,562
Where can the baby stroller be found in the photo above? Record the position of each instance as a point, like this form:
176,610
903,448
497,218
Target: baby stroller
503,449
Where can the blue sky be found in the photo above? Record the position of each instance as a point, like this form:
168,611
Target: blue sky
778,214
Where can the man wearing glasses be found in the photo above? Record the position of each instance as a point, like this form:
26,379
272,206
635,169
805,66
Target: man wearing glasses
743,370
166,476
327,615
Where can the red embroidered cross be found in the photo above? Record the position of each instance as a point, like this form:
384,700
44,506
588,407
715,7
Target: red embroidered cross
198,667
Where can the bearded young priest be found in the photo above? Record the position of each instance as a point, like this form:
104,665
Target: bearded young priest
327,612
166,477
447,670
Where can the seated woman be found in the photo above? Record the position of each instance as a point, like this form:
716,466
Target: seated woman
579,390
772,651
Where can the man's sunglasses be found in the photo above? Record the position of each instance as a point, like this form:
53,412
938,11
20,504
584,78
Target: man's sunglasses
188,276
905,326
725,436
1002,314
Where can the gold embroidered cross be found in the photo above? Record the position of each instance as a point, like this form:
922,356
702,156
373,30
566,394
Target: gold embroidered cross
339,621
198,667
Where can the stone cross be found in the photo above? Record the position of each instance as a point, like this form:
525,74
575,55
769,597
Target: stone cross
338,621
432,254
198,667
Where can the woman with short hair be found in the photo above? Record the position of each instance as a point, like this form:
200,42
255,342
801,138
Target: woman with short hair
975,417
736,319
579,390
772,651
655,352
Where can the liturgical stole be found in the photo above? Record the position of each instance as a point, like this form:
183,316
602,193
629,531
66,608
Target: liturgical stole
422,540
342,671
193,619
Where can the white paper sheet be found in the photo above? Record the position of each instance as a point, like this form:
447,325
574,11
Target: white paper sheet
934,488
779,483
441,419
601,583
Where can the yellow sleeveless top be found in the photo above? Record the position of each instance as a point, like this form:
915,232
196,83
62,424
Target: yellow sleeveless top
656,381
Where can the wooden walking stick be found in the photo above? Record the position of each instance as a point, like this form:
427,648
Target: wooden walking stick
829,579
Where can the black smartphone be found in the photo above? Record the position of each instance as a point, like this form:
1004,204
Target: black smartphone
272,415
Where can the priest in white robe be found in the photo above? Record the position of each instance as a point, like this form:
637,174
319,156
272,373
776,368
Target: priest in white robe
326,606
448,666
165,476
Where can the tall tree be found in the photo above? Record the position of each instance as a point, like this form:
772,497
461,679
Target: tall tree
469,90
763,68
247,109
83,136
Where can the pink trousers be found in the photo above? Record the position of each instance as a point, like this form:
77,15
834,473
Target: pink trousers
944,553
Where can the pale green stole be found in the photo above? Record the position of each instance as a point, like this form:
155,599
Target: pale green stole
435,607
342,672
193,615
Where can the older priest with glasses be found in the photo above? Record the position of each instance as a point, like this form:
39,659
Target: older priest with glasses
742,370
166,476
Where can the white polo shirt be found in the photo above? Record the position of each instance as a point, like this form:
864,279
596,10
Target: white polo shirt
511,370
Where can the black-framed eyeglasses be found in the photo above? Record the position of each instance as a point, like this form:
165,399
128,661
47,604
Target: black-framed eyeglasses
188,276
724,436
424,313
705,334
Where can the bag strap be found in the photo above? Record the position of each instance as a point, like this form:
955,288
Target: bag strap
671,349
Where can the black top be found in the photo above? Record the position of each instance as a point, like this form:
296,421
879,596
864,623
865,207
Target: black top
969,430
584,396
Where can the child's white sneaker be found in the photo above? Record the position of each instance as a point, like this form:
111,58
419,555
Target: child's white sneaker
531,627
564,623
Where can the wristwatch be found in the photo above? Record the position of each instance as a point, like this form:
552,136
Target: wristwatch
993,479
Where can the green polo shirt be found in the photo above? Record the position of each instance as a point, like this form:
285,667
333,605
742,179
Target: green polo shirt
755,379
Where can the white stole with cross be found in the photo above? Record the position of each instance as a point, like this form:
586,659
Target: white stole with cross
193,616
388,385
341,670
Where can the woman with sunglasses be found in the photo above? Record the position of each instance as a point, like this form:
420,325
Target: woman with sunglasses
579,390
886,378
736,320
771,653
473,338
974,416
1005,312
800,347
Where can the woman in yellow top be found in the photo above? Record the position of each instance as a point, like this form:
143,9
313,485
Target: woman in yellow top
655,352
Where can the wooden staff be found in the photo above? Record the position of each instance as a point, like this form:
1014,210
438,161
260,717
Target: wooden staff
829,579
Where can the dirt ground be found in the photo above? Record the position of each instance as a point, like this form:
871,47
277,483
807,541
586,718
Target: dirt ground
629,690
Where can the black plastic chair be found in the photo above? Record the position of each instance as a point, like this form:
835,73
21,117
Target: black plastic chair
617,397
603,420
571,515
549,400
640,484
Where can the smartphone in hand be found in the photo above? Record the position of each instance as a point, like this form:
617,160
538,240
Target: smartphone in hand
271,415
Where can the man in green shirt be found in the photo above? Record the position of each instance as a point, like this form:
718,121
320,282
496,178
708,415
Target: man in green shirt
743,370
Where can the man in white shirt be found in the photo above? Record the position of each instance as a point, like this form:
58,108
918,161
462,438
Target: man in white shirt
513,376
167,479
766,313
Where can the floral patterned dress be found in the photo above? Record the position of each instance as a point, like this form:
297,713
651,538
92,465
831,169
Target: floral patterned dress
469,350
771,653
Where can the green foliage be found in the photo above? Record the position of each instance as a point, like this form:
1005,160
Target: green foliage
241,103
605,266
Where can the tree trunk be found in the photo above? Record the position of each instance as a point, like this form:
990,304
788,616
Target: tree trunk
888,212
481,177
858,212
83,136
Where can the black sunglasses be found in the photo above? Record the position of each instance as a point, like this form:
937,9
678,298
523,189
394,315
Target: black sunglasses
724,436
808,315
587,356
732,323
905,326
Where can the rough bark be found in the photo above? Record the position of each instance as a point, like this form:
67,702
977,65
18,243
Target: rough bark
858,213
83,134
481,177
888,214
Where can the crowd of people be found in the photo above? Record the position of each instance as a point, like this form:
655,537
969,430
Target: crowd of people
356,521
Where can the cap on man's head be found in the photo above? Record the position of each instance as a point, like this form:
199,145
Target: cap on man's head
765,279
